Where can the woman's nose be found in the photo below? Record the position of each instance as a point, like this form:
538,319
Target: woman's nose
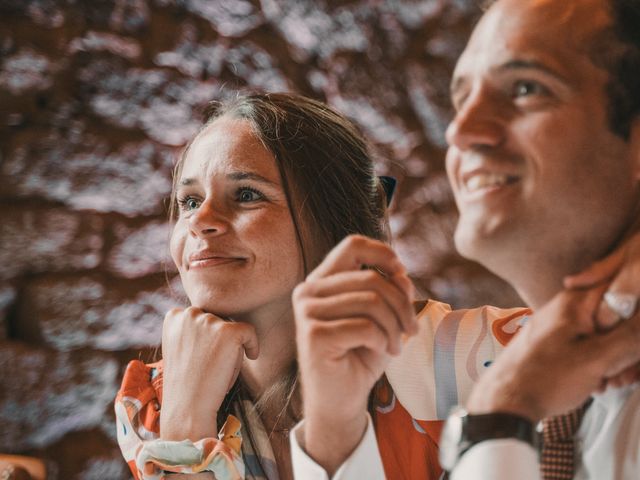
208,219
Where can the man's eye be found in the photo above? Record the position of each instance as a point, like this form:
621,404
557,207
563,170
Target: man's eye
525,88
246,195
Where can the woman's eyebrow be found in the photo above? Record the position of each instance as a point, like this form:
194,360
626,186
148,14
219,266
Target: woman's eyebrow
251,176
186,182
236,176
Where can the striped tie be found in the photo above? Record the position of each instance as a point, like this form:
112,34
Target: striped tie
558,444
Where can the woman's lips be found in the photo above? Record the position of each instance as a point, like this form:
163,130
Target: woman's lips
200,260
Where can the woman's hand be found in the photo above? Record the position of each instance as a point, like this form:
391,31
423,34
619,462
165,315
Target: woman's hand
351,313
202,356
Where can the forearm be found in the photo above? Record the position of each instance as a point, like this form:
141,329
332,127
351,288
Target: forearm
496,394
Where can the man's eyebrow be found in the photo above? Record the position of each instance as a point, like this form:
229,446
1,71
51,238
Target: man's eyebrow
516,64
520,64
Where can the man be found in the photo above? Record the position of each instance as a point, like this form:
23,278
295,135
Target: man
544,161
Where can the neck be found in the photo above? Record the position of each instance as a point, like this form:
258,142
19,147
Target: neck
540,287
276,340
539,276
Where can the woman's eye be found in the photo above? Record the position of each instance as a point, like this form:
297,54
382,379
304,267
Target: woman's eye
246,195
188,203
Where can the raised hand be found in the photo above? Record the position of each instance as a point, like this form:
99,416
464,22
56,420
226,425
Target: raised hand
557,360
621,271
202,356
351,313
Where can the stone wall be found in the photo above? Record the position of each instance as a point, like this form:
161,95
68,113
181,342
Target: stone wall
96,98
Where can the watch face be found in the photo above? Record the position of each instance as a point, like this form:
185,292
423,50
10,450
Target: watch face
450,440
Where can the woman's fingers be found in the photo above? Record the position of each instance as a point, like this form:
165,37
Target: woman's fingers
369,280
356,252
366,304
193,324
244,334
341,336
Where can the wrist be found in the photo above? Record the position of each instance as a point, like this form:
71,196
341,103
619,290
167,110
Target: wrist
504,393
177,426
521,405
330,443
463,430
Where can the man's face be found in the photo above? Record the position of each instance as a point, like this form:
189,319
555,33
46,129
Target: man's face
537,174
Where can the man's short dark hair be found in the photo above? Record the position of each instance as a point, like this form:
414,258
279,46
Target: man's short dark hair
617,50
623,88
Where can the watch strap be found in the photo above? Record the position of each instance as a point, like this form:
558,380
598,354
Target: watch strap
493,426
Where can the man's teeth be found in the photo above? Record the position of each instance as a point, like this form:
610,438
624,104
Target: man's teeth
486,180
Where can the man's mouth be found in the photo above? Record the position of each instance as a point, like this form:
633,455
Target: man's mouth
484,181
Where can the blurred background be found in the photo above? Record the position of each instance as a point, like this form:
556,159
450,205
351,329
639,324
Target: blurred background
96,99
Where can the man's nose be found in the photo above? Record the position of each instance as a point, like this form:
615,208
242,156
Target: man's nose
479,122
208,219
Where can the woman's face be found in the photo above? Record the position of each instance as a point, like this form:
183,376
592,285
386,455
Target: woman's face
234,241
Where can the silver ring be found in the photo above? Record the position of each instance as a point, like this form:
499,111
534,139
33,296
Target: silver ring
623,304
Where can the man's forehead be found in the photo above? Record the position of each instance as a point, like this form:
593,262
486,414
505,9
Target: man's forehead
514,27
570,13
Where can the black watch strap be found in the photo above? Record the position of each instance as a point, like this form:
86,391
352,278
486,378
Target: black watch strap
491,426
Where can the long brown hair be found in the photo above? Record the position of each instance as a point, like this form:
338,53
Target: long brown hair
324,164
328,178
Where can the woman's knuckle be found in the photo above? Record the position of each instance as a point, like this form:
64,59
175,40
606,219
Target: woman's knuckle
371,277
301,291
316,331
309,308
355,241
192,311
370,298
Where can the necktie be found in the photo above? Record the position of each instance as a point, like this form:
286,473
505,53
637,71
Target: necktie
557,461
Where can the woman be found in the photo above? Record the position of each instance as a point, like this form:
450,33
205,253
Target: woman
266,189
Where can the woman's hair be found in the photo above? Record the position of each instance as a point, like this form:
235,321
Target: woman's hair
324,163
329,182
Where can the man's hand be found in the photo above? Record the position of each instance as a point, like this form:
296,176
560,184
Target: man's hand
621,271
351,313
202,356
557,360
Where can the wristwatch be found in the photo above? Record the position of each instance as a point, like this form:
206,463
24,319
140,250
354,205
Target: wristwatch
462,431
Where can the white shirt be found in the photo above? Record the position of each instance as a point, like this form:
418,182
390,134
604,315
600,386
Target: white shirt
364,461
608,443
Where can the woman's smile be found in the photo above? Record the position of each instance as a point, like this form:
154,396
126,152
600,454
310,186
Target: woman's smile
210,258
233,224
